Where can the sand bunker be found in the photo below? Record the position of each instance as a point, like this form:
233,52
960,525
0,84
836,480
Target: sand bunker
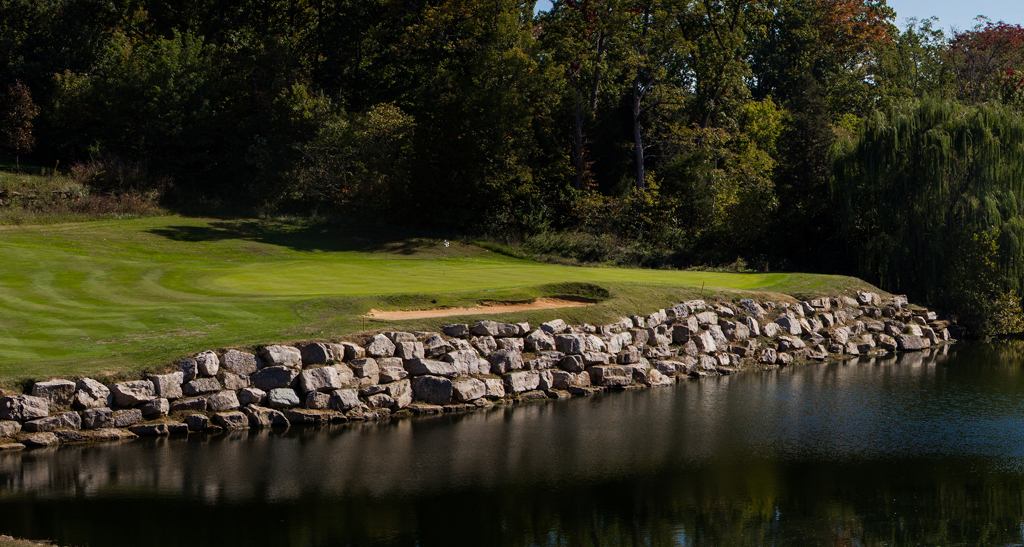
539,304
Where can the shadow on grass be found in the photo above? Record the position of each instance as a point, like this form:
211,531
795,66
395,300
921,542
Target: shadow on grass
321,237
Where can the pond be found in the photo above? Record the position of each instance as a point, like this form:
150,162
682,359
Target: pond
926,449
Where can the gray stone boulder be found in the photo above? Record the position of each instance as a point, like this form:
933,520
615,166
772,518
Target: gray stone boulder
232,420
505,360
611,375
380,346
67,420
910,342
284,356
316,400
519,382
571,344
495,329
207,363
200,386
630,355
274,377
240,362
460,330
400,392
323,379
718,336
767,356
232,381
788,343
317,353
517,344
380,400
156,408
736,331
351,352
57,392
283,397
495,388
886,342
366,370
707,318
484,344
220,402
41,439
262,417
97,418
9,428
251,396
771,330
189,369
572,363
167,386
434,346
392,374
656,379
90,394
198,422
789,324
704,342
188,405
466,362
434,390
420,367
754,309
397,337
556,326
344,399
129,394
125,418
468,390
410,350
150,430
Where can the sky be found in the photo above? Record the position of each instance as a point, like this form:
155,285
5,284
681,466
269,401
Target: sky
958,14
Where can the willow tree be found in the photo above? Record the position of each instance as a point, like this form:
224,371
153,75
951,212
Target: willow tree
930,197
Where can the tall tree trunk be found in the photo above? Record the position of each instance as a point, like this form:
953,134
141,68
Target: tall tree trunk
577,145
638,142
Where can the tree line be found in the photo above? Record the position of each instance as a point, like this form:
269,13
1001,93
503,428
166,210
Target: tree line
775,134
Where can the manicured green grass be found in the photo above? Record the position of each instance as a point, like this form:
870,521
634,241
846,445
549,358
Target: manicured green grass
113,298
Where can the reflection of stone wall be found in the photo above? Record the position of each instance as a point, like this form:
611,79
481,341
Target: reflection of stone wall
835,408
465,368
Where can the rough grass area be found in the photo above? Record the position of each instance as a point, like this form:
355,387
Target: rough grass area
7,541
111,299
27,198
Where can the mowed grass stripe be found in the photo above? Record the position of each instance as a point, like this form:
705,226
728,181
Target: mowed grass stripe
117,297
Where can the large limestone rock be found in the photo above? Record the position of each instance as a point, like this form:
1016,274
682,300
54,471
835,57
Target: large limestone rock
495,329
771,330
323,379
129,394
156,408
910,342
316,353
434,390
200,386
344,399
484,344
790,324
352,351
232,381
274,377
284,356
460,330
466,362
434,346
283,397
97,418
556,326
317,401
704,342
189,369
410,350
57,392
392,374
468,390
380,346
251,396
262,417
505,360
611,375
207,363
240,362
125,418
9,428
367,370
67,420
232,420
41,439
90,394
517,344
571,344
400,392
420,367
495,388
519,382
225,400
167,386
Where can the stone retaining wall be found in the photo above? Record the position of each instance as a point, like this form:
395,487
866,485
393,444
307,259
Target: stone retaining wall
464,367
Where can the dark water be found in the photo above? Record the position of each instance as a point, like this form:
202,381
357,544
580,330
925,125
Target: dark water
916,451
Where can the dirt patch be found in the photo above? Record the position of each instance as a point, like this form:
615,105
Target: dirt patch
486,308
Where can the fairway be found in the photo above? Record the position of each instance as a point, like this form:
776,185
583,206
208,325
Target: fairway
113,296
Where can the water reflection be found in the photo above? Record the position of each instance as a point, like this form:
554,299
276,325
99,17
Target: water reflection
924,449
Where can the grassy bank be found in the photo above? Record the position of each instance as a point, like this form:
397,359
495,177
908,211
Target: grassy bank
112,298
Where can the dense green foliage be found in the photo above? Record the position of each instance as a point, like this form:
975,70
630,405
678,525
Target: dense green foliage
689,132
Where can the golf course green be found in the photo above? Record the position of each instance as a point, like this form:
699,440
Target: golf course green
116,297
